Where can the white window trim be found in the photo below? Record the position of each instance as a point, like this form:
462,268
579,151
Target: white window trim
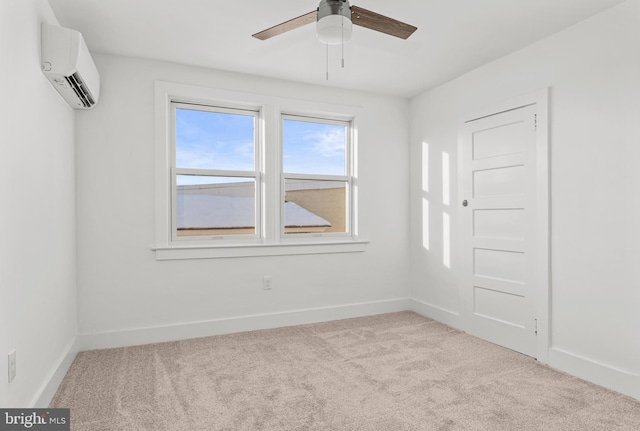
271,109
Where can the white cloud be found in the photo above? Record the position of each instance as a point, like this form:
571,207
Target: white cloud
329,143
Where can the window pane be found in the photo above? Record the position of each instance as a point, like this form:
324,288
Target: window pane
315,206
208,206
214,140
313,148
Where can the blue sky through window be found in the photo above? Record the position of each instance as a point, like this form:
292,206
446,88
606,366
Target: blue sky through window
313,148
225,141
214,140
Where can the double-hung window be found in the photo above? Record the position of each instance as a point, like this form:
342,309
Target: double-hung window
316,177
240,174
215,177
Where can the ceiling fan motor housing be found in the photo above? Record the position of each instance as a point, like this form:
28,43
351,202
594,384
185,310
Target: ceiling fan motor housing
334,24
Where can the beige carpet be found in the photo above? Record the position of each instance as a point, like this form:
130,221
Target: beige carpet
391,372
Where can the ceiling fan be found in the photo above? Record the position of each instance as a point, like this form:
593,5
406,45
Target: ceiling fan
334,20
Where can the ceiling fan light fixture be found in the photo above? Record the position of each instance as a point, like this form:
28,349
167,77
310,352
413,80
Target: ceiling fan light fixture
334,24
334,29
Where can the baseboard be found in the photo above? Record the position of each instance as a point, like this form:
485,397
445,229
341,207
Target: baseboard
139,336
595,372
434,312
50,386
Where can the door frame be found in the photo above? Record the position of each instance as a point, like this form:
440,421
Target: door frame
542,273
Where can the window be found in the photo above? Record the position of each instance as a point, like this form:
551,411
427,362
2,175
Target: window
316,176
246,175
214,175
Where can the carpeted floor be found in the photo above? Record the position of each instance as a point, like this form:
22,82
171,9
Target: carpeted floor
393,372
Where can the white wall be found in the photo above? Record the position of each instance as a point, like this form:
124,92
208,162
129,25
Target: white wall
593,71
123,289
37,189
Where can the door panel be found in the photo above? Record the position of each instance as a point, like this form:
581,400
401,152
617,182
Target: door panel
505,223
498,141
498,183
508,180
500,264
495,304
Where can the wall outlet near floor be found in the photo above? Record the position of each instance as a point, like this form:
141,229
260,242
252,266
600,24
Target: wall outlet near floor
266,282
12,365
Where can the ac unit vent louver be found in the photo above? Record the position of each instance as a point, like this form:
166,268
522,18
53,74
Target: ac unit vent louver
79,87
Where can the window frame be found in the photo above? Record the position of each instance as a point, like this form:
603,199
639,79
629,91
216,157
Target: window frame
256,174
268,166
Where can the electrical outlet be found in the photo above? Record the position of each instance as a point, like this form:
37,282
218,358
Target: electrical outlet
12,365
266,282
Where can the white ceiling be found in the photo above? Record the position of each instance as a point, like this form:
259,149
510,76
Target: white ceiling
453,37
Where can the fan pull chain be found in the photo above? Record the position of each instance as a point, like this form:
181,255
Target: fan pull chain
327,45
341,46
342,42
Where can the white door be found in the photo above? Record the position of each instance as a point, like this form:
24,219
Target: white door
498,212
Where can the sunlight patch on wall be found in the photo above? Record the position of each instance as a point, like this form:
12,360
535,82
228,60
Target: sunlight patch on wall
425,167
426,241
446,186
446,240
425,223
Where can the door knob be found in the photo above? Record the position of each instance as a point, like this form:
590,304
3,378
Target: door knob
465,203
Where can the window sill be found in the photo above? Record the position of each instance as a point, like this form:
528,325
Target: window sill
178,252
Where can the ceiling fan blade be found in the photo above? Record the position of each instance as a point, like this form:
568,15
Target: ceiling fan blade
286,26
381,23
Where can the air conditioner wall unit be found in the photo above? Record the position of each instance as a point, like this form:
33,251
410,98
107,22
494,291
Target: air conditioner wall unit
68,65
